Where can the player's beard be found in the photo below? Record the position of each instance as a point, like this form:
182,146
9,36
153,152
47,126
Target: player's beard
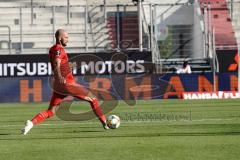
64,44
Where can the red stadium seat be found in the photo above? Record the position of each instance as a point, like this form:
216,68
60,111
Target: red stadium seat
221,22
128,29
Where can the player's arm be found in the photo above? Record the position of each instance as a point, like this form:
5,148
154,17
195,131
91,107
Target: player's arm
57,64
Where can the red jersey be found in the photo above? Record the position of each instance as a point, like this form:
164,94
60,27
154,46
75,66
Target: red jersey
58,52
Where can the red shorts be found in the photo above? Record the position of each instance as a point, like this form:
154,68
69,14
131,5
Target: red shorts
69,89
56,99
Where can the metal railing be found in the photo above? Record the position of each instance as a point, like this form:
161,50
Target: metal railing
9,37
37,18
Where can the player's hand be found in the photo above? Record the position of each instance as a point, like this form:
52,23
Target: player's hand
72,65
62,80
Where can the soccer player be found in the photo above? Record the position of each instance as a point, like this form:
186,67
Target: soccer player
63,84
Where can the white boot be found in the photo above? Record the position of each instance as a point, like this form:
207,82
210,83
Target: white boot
105,126
28,127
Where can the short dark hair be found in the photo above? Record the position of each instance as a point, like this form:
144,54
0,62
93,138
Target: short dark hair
59,32
185,63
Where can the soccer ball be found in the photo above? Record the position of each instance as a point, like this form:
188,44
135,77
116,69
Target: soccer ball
113,121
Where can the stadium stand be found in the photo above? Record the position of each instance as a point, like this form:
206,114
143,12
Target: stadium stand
236,21
226,29
39,32
128,29
14,3
38,29
222,23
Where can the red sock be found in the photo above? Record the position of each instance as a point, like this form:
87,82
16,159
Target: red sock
98,110
42,116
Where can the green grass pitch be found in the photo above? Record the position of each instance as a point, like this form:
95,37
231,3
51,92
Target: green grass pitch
151,130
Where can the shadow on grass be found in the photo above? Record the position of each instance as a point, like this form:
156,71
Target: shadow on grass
4,134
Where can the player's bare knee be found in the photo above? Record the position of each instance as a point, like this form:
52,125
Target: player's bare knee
52,109
50,113
89,99
94,103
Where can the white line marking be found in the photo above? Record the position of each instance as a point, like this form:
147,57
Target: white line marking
79,123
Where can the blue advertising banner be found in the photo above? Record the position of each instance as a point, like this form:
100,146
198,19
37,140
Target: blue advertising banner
119,86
